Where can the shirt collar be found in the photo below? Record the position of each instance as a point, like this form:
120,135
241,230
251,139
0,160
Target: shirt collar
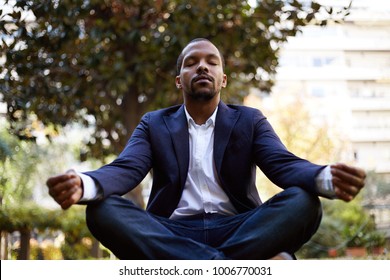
210,121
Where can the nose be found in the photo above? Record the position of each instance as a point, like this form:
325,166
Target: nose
202,67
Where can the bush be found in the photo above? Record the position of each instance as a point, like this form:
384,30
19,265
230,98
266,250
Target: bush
30,217
343,225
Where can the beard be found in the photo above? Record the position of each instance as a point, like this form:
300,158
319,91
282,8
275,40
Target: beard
202,93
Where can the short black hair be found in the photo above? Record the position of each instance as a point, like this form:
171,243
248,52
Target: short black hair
181,56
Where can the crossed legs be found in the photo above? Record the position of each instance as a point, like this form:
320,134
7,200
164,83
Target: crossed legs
283,223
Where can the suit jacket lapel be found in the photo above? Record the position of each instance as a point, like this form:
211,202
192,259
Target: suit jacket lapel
224,124
178,128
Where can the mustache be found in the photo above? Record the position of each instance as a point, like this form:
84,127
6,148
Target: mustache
202,76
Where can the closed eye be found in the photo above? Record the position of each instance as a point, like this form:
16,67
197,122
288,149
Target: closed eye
189,64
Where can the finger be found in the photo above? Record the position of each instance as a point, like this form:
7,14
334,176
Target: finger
347,178
63,187
65,195
356,171
343,195
72,199
346,188
52,181
60,187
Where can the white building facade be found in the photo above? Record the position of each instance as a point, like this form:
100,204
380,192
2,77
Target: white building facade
343,70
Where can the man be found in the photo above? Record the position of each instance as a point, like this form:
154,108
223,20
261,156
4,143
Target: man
204,203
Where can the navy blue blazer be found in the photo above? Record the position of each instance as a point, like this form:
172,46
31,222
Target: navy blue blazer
243,139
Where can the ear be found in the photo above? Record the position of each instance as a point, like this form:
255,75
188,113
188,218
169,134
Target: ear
224,81
178,82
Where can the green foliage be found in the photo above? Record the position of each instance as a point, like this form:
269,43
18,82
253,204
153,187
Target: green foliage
16,186
51,252
27,216
78,241
343,225
104,63
47,252
19,175
375,239
31,217
5,151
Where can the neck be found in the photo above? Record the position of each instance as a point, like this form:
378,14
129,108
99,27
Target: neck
201,111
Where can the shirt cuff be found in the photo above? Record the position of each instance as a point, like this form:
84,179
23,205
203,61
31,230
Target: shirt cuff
91,191
324,183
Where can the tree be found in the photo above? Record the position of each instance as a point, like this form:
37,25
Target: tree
104,63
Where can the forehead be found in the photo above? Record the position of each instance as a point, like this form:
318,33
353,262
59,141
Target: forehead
201,48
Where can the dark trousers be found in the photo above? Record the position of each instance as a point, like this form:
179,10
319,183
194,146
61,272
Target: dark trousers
282,224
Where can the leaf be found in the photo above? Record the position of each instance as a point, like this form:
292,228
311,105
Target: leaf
315,6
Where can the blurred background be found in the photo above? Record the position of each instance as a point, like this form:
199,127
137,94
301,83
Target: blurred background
76,77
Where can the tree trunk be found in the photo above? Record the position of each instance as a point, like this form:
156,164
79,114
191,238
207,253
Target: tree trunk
132,113
4,245
24,253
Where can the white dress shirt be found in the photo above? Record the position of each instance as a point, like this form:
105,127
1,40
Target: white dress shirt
202,191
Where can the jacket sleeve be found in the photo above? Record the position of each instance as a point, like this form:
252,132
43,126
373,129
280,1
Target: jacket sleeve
282,167
130,167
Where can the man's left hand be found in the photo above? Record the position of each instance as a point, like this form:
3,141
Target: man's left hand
347,180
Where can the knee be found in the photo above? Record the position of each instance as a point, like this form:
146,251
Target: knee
305,198
310,207
98,209
102,213
306,204
96,213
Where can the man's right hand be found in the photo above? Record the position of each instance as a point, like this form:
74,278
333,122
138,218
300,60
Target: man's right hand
66,189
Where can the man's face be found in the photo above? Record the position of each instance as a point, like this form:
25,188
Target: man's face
201,75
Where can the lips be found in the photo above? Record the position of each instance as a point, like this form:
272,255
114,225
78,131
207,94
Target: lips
202,77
